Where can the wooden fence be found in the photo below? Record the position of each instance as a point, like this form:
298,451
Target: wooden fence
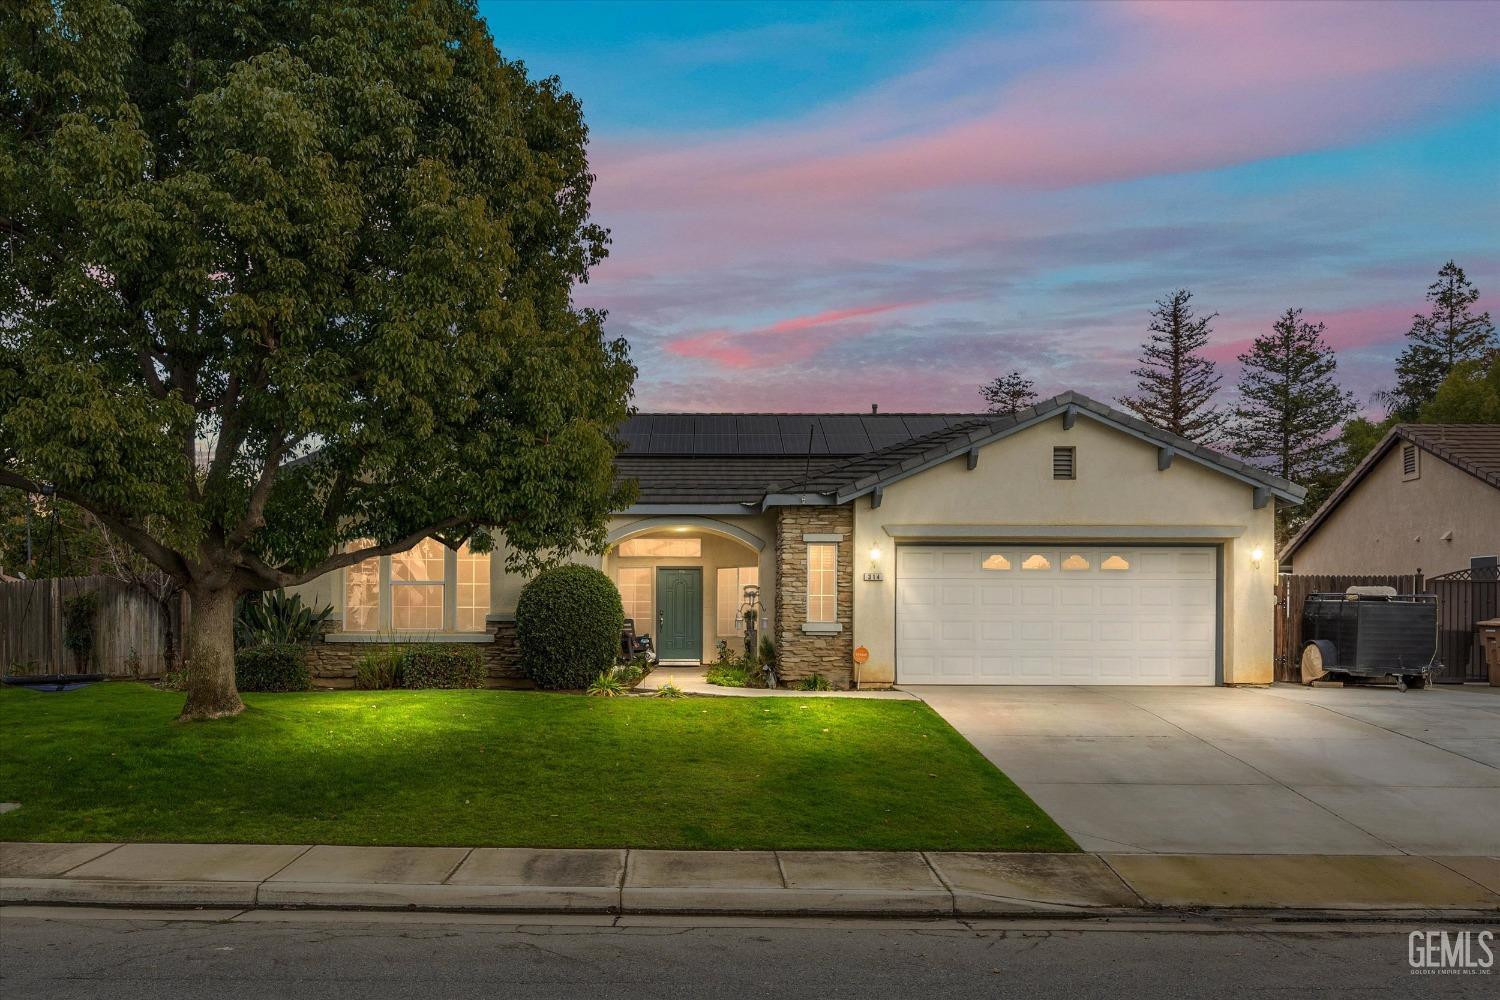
130,629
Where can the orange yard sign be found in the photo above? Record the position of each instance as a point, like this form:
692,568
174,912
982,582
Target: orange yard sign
861,654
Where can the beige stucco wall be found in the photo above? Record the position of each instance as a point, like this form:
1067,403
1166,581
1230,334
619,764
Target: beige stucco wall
1117,483
718,549
1387,525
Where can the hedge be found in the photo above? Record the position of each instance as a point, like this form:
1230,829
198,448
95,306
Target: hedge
568,624
272,667
420,667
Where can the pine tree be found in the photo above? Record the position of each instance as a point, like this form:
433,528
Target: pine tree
1449,334
1176,384
1009,393
1290,407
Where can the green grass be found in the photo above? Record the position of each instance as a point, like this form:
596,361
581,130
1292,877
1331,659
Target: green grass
505,768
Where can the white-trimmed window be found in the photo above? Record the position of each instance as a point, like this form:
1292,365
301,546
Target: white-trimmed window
362,595
473,590
731,584
662,548
427,588
634,584
822,581
417,587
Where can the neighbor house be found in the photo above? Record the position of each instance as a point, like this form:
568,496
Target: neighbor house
1425,500
1067,543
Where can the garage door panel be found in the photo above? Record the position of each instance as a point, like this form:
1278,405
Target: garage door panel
1125,615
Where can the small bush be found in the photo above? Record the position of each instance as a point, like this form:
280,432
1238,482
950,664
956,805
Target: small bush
767,651
669,690
606,685
441,667
568,624
379,670
630,674
275,618
274,667
743,673
814,682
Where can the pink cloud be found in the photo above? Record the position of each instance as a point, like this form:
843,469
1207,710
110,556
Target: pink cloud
1348,329
1124,92
772,346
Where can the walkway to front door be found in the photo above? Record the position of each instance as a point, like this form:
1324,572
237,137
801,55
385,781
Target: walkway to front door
679,613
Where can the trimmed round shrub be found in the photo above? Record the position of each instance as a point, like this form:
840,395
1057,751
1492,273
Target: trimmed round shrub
568,624
441,667
272,667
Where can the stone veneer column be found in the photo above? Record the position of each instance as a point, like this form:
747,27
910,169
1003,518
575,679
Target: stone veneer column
798,653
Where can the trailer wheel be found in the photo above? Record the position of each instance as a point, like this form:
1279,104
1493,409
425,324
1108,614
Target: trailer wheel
1318,658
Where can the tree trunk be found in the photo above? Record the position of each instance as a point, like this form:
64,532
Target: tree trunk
210,656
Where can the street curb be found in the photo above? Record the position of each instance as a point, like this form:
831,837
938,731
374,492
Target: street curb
770,903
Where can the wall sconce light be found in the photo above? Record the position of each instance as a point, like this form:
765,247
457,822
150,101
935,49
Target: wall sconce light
1256,555
874,553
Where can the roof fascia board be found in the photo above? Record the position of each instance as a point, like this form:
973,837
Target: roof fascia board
1061,532
963,446
1337,496
704,509
798,500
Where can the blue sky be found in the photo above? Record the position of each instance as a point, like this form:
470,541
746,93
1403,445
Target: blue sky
821,206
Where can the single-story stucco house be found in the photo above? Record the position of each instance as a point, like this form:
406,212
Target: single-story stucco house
1425,500
1067,543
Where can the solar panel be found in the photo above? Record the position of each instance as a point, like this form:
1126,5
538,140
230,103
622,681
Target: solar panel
917,426
801,435
884,431
672,434
758,435
845,435
715,434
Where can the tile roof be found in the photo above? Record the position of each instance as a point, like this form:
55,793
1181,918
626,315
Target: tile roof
1475,448
833,471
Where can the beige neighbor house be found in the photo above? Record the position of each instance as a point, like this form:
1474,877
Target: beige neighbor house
1068,543
1426,500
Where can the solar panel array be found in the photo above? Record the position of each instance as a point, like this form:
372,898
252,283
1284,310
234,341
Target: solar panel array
777,433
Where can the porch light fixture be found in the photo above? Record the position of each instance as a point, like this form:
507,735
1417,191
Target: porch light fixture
1256,555
875,553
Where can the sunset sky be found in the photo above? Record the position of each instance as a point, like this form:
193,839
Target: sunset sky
824,206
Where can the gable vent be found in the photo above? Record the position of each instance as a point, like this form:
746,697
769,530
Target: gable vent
1408,461
1064,462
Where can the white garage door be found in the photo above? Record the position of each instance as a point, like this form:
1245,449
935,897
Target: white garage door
1048,615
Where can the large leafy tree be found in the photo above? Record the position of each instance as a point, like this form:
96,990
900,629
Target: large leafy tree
1008,393
1469,395
287,284
1290,406
1176,382
1449,334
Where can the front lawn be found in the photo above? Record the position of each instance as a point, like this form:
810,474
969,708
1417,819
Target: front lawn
505,768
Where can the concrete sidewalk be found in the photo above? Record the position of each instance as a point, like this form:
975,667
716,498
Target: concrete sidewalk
763,883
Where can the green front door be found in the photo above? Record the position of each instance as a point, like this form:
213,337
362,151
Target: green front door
679,614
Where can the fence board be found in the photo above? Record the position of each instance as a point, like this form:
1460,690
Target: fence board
130,629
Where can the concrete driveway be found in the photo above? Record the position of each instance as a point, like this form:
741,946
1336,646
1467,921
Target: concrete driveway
1280,770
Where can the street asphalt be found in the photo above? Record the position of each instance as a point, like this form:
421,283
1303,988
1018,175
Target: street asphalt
56,953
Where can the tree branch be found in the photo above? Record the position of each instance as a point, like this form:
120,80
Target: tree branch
266,576
165,558
255,510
